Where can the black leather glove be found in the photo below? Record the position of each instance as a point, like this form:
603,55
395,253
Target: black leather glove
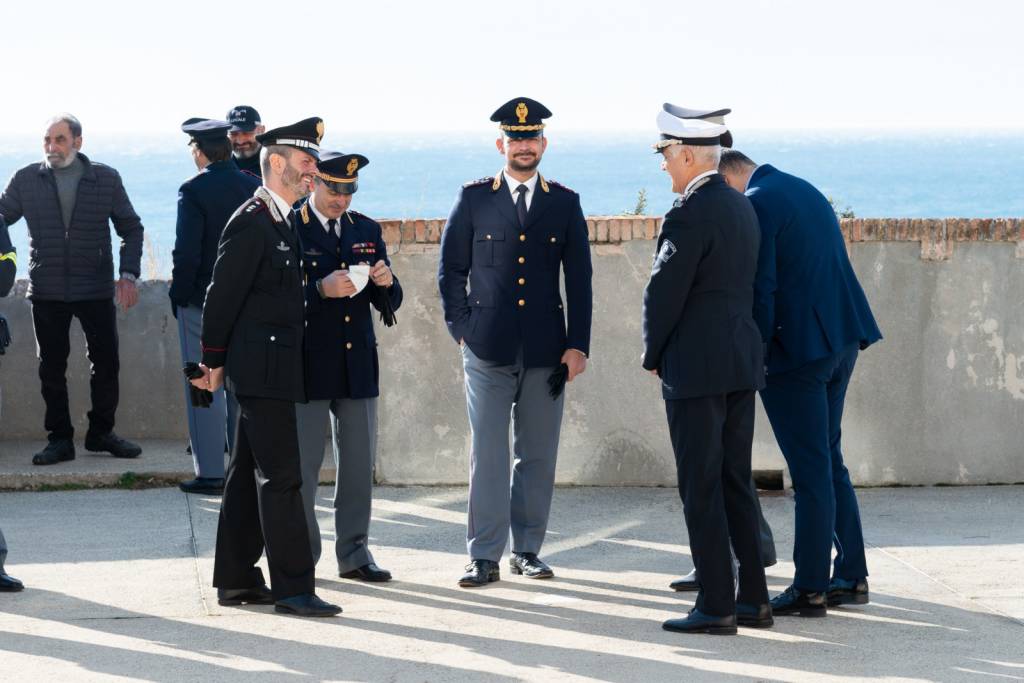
200,398
5,335
556,382
387,313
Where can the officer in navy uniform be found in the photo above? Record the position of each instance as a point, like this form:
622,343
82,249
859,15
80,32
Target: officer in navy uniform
508,237
342,368
252,332
701,340
246,127
8,266
205,203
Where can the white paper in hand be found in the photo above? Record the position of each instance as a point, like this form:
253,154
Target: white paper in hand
360,276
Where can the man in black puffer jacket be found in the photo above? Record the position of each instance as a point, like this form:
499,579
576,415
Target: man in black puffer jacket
68,203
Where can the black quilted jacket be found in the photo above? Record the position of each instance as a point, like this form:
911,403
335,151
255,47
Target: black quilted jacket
76,264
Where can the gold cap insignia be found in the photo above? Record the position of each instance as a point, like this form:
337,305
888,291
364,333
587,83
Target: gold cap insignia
353,165
522,111
319,131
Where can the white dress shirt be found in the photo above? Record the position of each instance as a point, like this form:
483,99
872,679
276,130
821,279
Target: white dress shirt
512,183
323,219
282,206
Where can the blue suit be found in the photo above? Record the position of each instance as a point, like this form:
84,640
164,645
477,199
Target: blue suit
815,319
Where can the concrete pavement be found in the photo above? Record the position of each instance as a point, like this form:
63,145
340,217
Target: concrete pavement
119,587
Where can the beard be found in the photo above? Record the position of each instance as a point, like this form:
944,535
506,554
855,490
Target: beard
298,183
61,160
524,163
247,152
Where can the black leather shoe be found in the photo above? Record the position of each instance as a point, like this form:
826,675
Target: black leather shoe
113,444
258,595
843,592
9,584
57,451
754,616
698,622
306,605
480,573
687,583
207,485
530,566
368,572
795,602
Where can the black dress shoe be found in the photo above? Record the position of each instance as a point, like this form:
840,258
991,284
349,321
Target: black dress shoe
306,605
530,566
795,602
9,584
368,572
113,444
258,595
480,573
754,616
698,622
843,592
208,485
687,583
57,451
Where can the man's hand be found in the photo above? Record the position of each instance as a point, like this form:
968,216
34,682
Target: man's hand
126,294
337,285
575,361
381,275
211,379
654,371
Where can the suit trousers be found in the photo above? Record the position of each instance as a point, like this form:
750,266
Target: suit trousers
207,427
354,441
3,550
711,438
262,505
805,408
495,395
52,323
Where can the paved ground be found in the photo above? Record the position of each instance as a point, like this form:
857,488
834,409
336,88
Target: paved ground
119,587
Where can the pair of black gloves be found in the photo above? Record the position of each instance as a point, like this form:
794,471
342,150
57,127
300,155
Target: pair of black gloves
200,398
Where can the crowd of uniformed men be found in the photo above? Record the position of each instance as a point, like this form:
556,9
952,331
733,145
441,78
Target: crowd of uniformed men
274,284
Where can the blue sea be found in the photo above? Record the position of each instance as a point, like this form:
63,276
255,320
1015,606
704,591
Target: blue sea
875,174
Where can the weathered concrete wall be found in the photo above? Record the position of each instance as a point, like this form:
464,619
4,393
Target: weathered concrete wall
940,400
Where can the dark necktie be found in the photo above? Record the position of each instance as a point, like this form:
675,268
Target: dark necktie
521,205
332,225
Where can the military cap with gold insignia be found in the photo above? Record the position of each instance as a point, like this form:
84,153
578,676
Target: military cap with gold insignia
712,115
521,117
340,171
677,130
304,135
205,130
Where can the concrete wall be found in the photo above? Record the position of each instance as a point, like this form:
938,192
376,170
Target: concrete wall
940,400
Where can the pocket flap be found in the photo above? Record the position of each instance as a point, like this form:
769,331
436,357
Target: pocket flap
481,300
490,235
282,336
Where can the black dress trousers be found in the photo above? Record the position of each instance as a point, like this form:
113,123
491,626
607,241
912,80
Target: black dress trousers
712,437
263,504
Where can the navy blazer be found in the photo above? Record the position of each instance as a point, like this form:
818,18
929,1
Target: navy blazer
807,300
698,329
514,300
205,203
340,346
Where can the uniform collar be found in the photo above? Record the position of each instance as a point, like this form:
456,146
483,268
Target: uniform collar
282,205
690,186
513,183
319,216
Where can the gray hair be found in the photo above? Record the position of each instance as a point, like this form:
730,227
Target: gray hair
73,123
267,150
704,154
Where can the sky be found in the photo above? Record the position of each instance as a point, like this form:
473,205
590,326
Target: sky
415,68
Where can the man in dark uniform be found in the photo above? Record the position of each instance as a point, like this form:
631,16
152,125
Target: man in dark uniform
8,266
252,333
205,203
508,237
246,128
701,340
813,313
346,269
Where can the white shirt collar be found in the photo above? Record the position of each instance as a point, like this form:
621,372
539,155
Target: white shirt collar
749,177
512,183
282,205
697,179
319,216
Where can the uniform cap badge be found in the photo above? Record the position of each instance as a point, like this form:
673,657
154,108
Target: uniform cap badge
522,111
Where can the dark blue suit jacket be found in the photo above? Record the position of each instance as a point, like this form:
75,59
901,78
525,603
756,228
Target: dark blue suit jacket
341,348
205,203
514,300
807,300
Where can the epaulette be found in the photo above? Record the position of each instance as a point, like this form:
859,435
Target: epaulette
254,205
480,181
561,186
359,215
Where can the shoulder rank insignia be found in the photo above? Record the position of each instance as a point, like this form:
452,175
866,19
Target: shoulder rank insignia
304,212
561,186
255,204
479,181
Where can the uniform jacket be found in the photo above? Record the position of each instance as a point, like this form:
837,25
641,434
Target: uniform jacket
341,348
514,300
250,165
697,325
205,203
253,316
77,263
807,300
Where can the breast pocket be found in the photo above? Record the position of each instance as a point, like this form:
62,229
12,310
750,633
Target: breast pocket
284,266
488,247
554,247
